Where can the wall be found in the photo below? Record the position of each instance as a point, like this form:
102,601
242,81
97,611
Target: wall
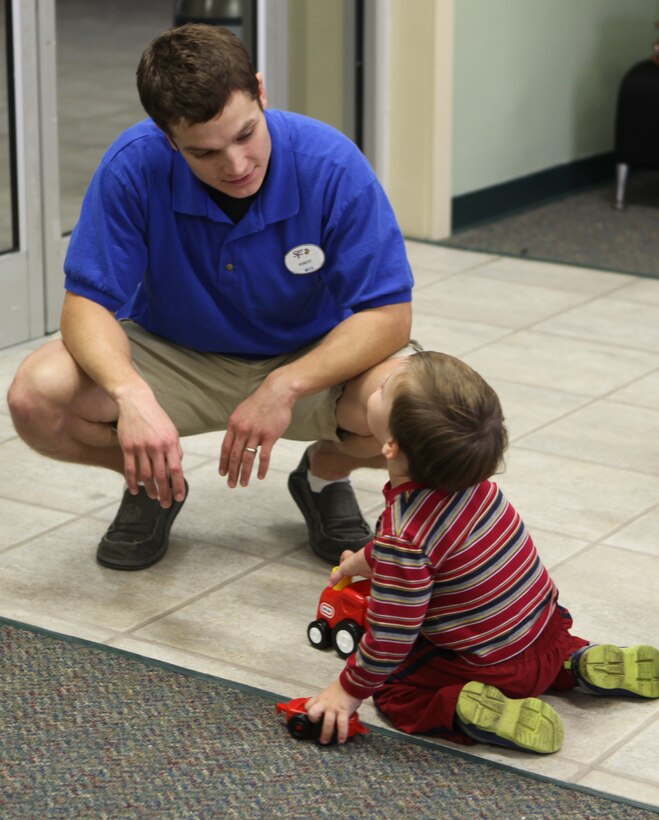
535,82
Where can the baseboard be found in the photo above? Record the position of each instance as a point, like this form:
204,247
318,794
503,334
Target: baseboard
519,194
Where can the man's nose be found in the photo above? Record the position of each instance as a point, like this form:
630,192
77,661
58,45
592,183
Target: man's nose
235,164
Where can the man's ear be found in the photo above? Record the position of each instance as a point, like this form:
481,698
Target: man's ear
262,95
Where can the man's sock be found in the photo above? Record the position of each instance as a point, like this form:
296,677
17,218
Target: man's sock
317,484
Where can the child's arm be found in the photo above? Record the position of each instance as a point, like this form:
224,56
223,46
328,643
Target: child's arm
352,563
334,706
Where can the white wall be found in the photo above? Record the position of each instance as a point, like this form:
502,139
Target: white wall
535,82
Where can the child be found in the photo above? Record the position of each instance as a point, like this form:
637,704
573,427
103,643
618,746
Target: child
464,625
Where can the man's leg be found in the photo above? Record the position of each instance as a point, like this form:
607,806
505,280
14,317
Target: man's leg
59,412
320,485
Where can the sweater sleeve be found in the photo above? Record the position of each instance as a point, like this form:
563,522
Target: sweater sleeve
401,588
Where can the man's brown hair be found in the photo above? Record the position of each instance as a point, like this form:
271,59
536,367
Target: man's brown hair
187,74
447,421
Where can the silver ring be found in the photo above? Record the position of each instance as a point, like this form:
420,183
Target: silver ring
251,449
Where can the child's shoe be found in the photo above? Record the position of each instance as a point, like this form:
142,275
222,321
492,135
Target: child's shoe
630,671
487,715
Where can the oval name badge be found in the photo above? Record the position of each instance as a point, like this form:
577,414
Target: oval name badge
304,259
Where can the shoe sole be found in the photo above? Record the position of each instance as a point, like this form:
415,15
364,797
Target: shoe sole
611,670
529,724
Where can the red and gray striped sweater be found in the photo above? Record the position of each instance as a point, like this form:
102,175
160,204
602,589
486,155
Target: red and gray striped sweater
460,569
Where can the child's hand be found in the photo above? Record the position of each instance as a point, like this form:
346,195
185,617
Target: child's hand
352,563
335,706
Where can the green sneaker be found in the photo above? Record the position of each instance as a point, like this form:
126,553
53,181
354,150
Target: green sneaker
487,715
629,671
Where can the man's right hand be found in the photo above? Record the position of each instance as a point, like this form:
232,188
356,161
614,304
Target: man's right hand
151,446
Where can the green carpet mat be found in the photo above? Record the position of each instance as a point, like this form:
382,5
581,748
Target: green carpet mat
89,731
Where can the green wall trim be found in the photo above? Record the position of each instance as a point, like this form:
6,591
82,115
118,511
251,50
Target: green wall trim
526,192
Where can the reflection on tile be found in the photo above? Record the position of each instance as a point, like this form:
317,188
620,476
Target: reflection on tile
574,497
605,432
540,359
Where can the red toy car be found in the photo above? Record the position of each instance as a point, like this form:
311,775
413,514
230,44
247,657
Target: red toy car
302,728
341,616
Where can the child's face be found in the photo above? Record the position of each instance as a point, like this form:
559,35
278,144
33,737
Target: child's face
378,407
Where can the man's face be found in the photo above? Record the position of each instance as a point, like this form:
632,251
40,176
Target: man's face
230,152
378,406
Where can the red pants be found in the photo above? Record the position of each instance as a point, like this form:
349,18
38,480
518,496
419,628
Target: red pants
421,696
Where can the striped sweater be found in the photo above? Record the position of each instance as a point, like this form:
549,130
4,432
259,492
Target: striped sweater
460,569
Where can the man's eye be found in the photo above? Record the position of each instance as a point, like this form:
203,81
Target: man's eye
245,137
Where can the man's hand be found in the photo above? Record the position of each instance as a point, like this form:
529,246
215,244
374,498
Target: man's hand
334,705
257,423
151,447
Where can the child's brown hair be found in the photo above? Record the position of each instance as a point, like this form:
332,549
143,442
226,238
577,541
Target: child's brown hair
447,421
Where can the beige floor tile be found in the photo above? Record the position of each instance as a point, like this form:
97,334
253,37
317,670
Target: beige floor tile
639,536
575,366
556,548
527,407
551,275
579,499
6,428
258,621
612,599
638,757
452,336
427,276
23,521
449,260
609,320
631,789
57,575
643,392
479,299
640,290
604,432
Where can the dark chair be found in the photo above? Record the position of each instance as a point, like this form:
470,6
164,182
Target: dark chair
637,122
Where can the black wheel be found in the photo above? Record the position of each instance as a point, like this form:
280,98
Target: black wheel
319,634
345,637
300,727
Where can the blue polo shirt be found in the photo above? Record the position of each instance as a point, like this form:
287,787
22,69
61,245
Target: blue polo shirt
152,245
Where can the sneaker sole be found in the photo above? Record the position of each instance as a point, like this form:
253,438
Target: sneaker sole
529,724
611,670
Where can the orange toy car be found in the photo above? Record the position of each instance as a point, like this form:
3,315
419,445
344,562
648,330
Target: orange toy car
341,616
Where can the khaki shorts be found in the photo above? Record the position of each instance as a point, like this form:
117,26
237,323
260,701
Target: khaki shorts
199,391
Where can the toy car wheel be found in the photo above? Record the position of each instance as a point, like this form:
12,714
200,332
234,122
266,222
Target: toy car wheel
319,634
345,637
300,727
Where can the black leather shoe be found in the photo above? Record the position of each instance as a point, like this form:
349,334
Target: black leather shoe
139,534
333,517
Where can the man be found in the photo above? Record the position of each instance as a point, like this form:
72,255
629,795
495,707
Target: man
232,269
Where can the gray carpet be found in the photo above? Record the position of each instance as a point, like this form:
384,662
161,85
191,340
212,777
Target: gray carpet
91,732
583,230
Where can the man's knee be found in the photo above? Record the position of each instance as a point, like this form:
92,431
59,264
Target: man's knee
34,396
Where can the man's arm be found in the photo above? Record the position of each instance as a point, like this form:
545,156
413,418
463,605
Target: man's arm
353,347
148,439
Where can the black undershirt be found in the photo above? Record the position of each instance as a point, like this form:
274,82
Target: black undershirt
234,207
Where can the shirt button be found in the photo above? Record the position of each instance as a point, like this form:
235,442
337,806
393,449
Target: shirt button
229,266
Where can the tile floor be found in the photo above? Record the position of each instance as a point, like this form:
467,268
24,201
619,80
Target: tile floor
574,354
